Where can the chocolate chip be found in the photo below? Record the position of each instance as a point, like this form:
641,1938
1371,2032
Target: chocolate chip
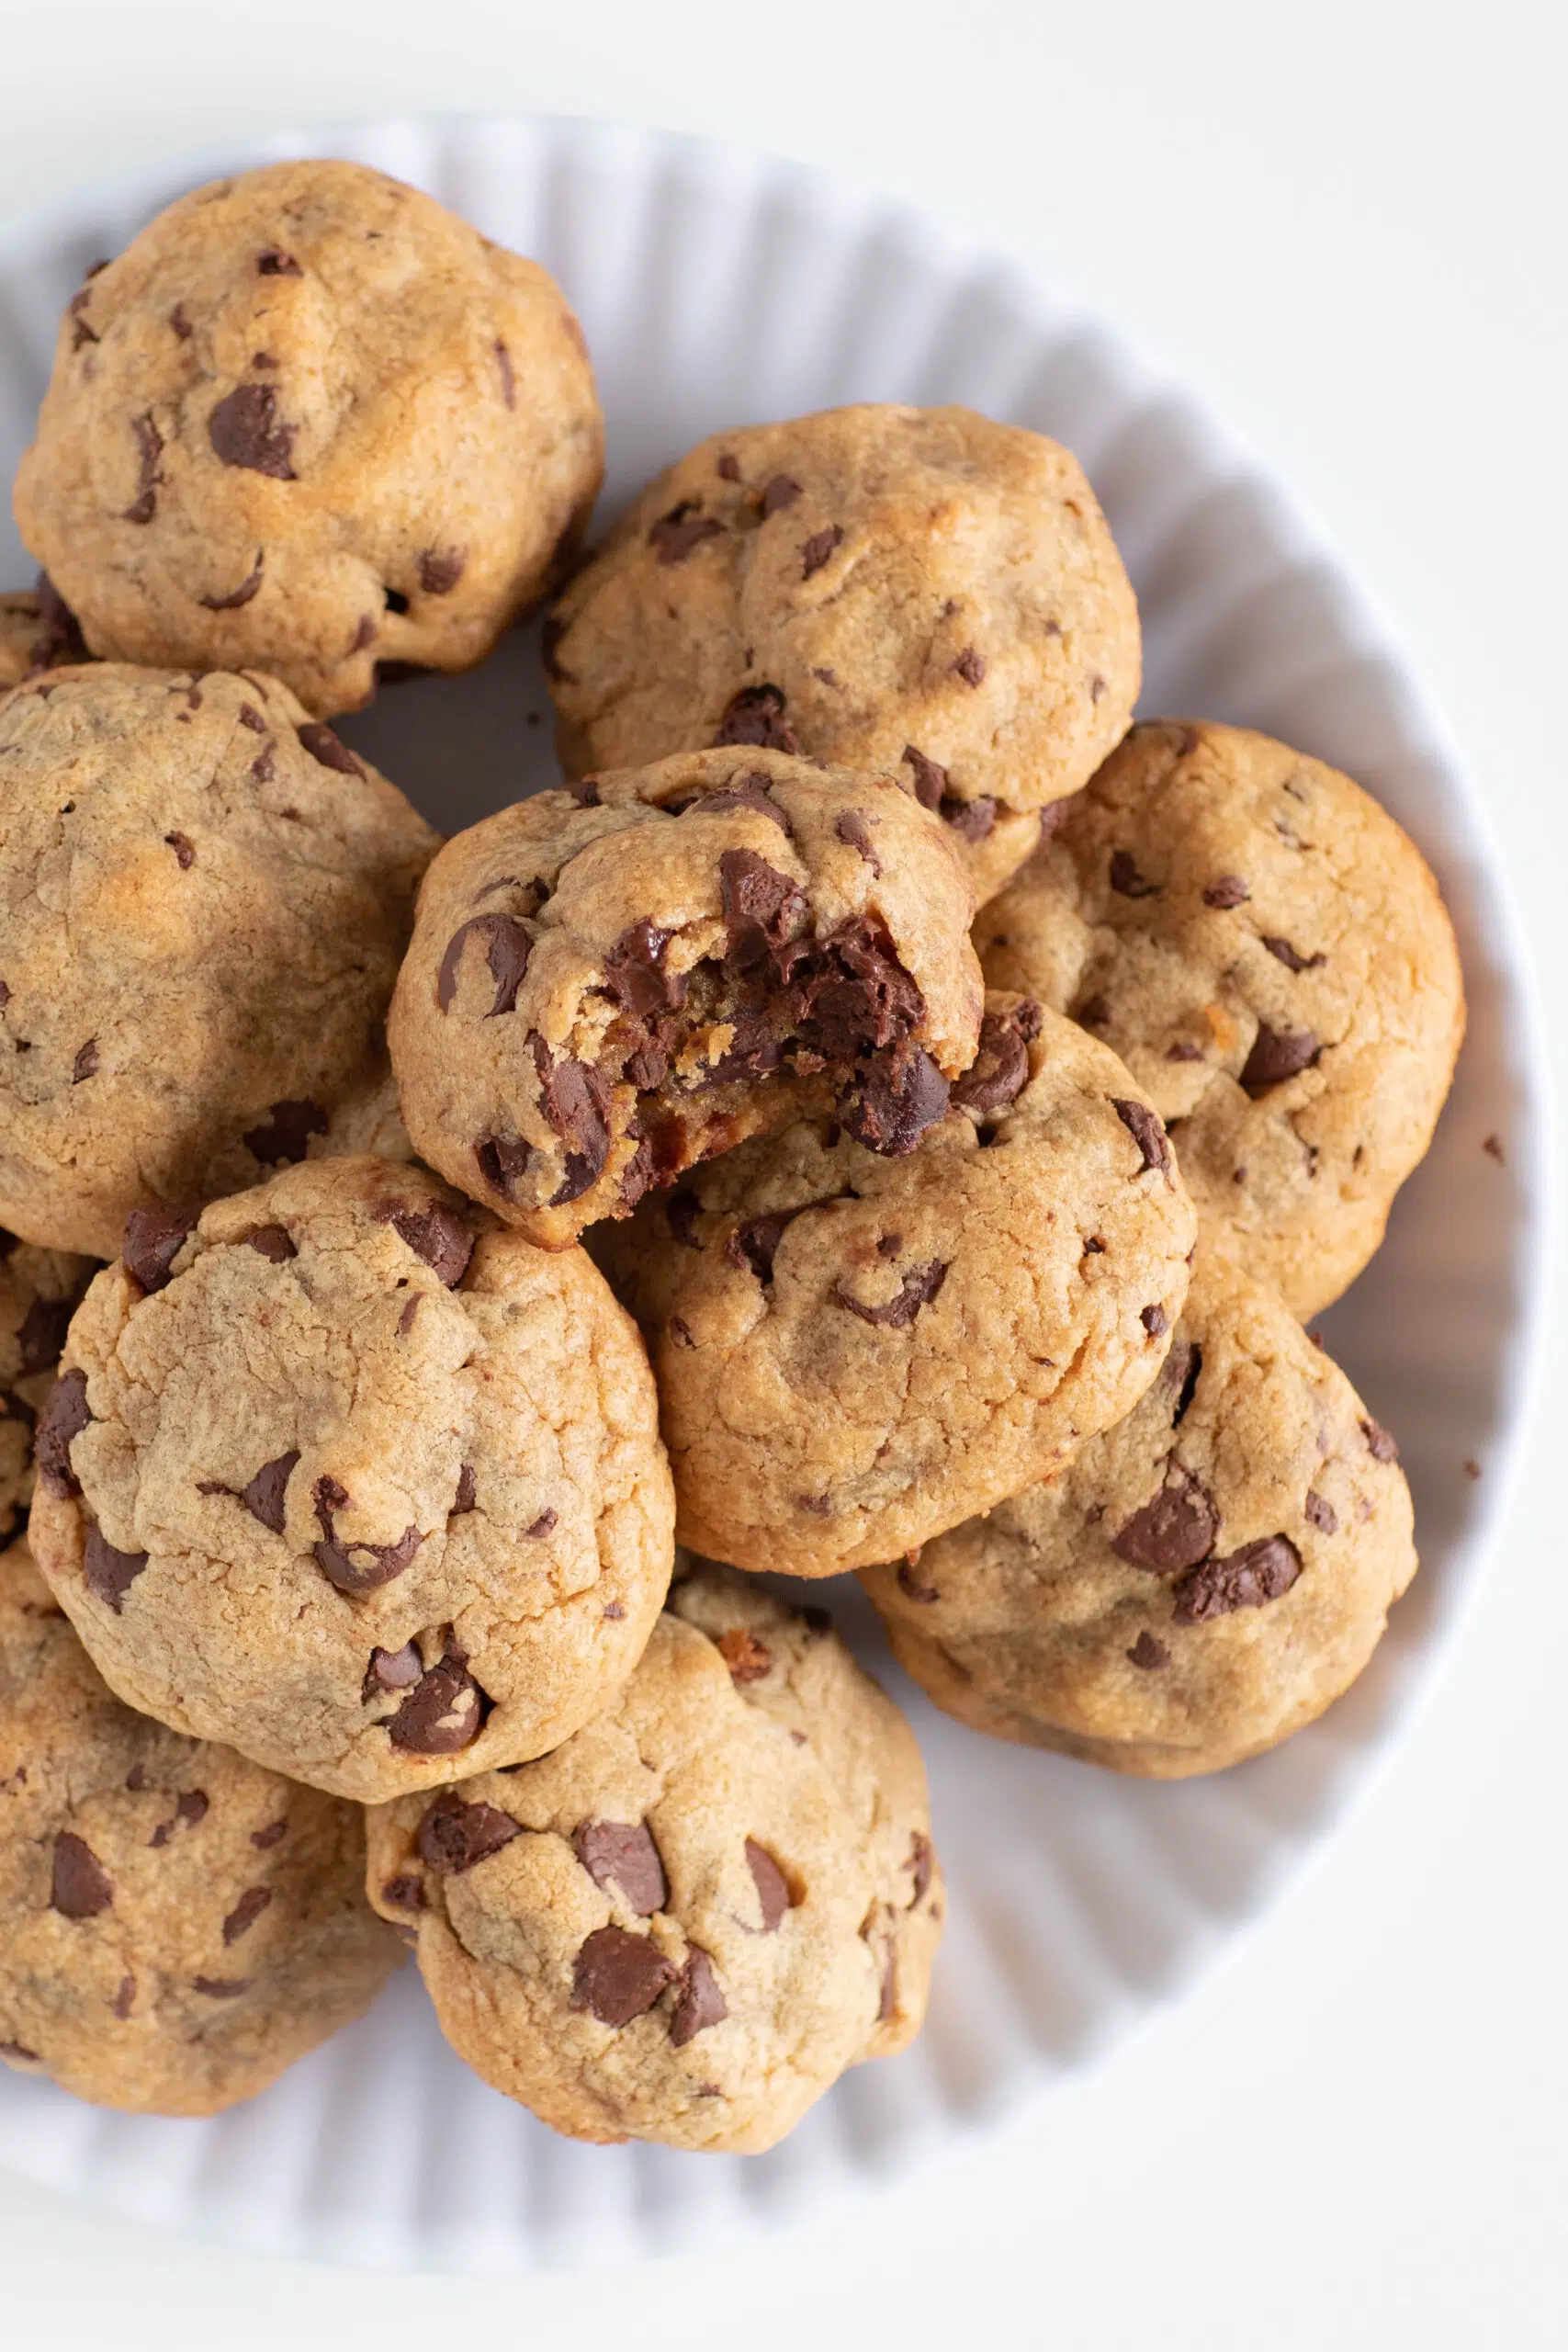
442,1714
727,466
1491,1145
221,1988
243,429
1320,1514
327,749
1244,1579
685,527
125,1997
357,1567
108,1573
1380,1444
183,849
1146,1131
264,1498
773,1888
1147,1654
700,2001
59,640
463,1500
818,547
618,1976
895,1103
754,1245
435,1233
971,820
440,569
64,1418
751,792
613,1609
781,491
681,1211
41,1334
760,905
239,595
502,1161
1094,1013
86,1062
931,781
80,1887
1181,1370
275,262
404,1893
1126,879
911,1586
544,1525
756,716
970,667
20,2050
746,1659
1155,1321
287,1132
246,1912
1275,1055
149,449
190,1809
1291,959
1000,1068
919,1286
622,1855
1172,1532
854,831
273,1242
576,1101
508,380
635,974
271,1835
1226,890
921,1863
454,1836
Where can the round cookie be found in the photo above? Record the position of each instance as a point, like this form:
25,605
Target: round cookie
37,632
1269,954
204,898
353,1481
920,590
684,1924
854,1353
39,1292
609,982
1202,1581
309,422
177,1925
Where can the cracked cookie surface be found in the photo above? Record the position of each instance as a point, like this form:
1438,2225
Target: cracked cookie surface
1201,1582
609,981
350,1479
39,1292
204,898
924,591
308,422
177,1925
1268,952
685,1923
855,1353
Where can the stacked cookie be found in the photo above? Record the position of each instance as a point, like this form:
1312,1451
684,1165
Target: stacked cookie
676,1158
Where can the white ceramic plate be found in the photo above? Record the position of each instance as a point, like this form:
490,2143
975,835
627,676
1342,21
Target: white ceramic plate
716,288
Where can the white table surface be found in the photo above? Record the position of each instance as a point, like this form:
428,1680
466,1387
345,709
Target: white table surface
1345,225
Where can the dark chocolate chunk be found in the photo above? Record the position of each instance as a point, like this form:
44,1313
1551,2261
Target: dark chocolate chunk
1156,1321
753,1245
273,1242
391,1671
970,667
576,1101
685,527
357,1567
444,1713
700,2001
239,595
635,974
971,820
275,263
781,491
919,1286
1245,1579
750,792
622,1855
463,1500
1172,1532
896,1101
246,1912
80,1887
1126,879
1380,1444
761,906
109,1573
285,1135
41,1334
817,550
244,430
617,1976
183,849
1292,957
756,716
405,1892
86,1062
502,1160
773,1888
440,569
1275,1055
1000,1068
1320,1514
264,1498
931,781
64,1418
60,640
154,1238
149,449
271,1835
435,1233
1226,890
1147,1654
454,1836
855,833
328,750
1147,1132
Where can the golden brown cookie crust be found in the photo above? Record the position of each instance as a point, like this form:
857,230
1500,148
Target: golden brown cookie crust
366,1488
204,898
921,591
308,422
1269,954
177,1925
609,981
1204,1579
688,1922
854,1353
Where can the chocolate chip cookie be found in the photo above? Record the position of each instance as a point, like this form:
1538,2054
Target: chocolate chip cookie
1269,954
610,982
345,1476
1199,1583
177,1925
39,1292
37,632
920,590
309,422
204,898
684,1924
855,1353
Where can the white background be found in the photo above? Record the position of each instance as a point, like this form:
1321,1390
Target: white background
1345,224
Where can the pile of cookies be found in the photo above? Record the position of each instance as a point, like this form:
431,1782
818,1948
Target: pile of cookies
885,1112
